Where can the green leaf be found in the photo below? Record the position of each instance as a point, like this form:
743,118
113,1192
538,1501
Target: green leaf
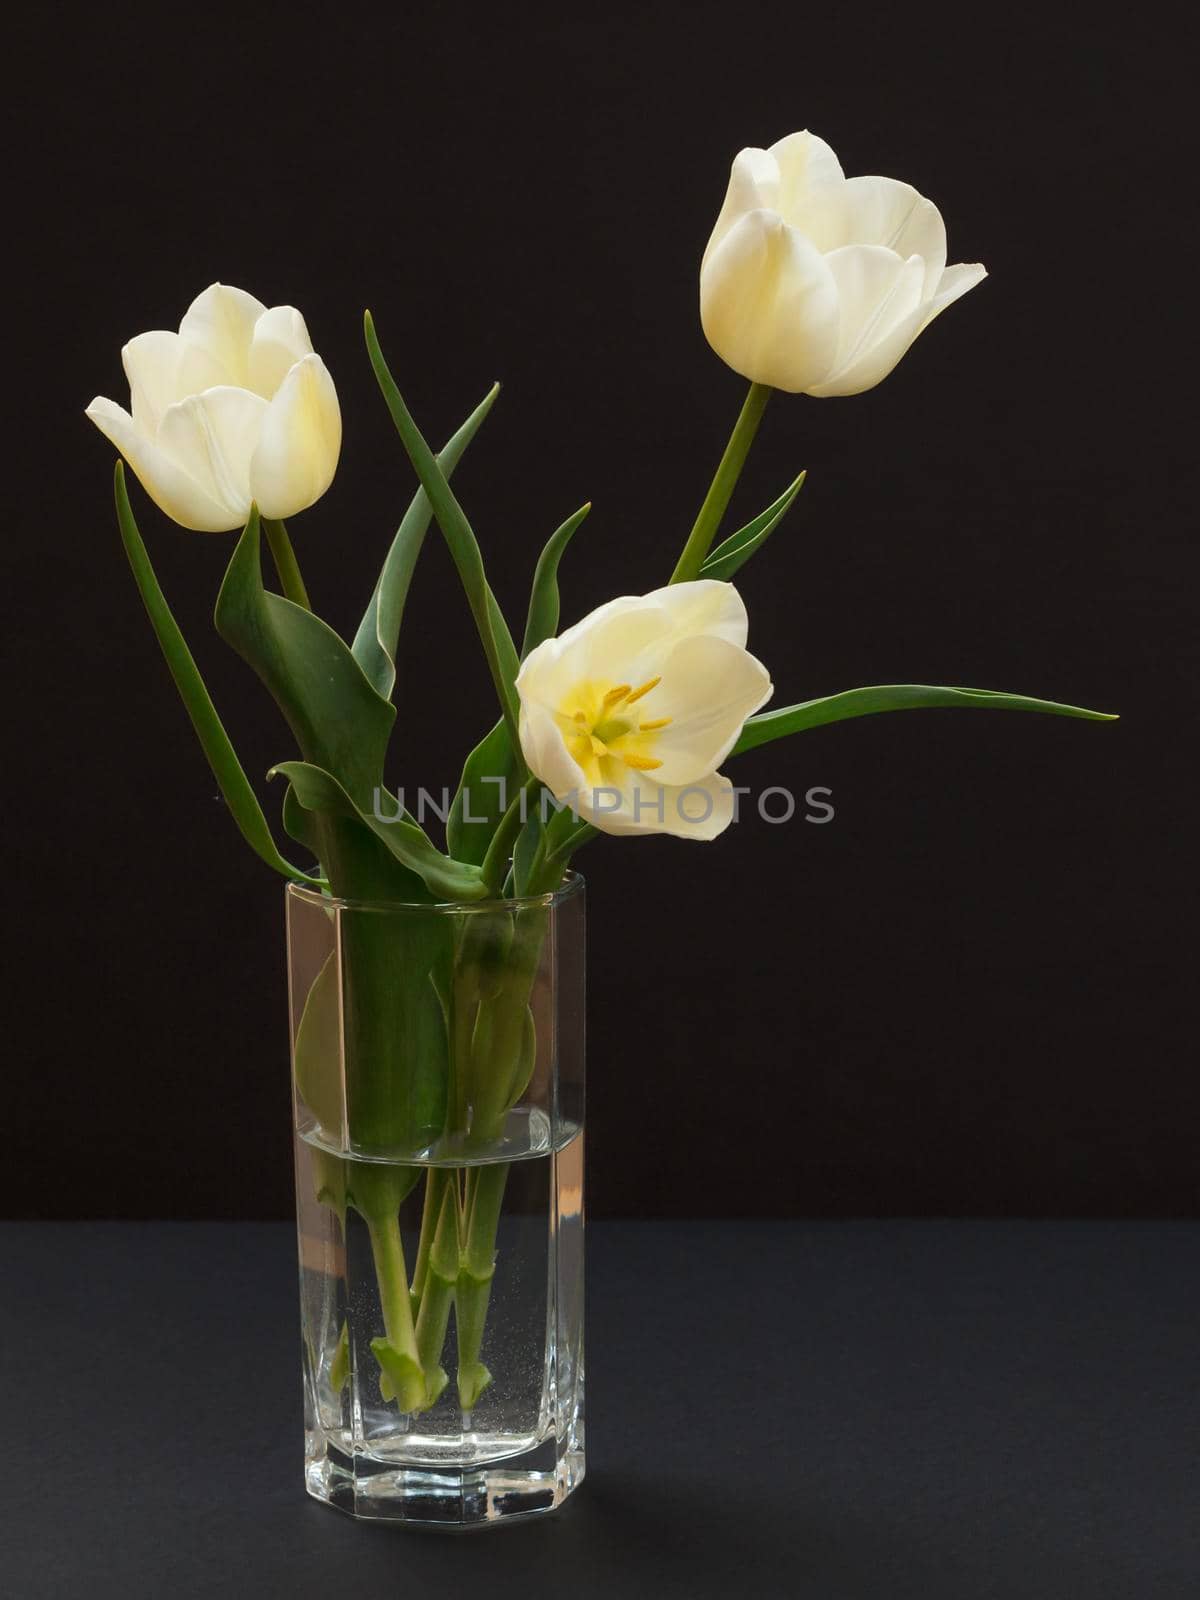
479,803
339,721
339,1367
525,852
566,836
506,650
394,1042
735,551
317,1053
378,633
468,836
772,725
299,824
526,1058
542,619
447,879
464,548
214,741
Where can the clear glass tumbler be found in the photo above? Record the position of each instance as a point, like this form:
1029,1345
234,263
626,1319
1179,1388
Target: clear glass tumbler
438,1066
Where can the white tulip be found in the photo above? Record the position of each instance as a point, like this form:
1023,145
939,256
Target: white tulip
233,408
817,283
627,715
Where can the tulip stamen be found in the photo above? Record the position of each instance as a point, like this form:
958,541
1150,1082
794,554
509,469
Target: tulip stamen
612,728
645,688
598,728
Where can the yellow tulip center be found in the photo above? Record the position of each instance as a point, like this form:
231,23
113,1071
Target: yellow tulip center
605,723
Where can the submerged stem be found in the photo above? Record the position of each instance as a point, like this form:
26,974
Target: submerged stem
403,1377
434,1184
484,1195
387,1248
437,1295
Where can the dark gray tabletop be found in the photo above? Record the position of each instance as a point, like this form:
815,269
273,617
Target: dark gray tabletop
876,1410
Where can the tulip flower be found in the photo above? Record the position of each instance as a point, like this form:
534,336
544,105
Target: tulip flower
627,715
233,408
817,283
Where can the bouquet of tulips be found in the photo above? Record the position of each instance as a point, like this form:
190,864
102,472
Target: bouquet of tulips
620,723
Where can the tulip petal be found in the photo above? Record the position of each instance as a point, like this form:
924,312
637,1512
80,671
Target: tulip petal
753,186
806,164
769,304
629,803
778,179
626,716
879,211
887,212
704,606
632,637
545,751
215,337
151,363
168,485
212,437
623,644
610,634
954,284
301,439
873,364
876,292
709,687
280,339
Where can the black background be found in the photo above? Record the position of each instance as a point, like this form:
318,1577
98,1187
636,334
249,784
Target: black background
972,992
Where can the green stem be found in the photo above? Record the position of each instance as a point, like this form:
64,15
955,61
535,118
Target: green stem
397,1353
434,1184
484,1195
464,1007
285,561
387,1248
495,862
438,1292
559,857
717,499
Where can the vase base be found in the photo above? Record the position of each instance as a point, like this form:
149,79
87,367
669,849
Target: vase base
453,1498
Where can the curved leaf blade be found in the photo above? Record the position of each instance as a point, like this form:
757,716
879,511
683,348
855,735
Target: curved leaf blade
492,773
456,530
734,552
318,790
214,741
542,619
771,725
339,720
527,853
375,643
490,778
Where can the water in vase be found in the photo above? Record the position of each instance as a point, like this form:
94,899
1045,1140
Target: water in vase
442,1323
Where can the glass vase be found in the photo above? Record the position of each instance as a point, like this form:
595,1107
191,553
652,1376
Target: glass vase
438,1055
